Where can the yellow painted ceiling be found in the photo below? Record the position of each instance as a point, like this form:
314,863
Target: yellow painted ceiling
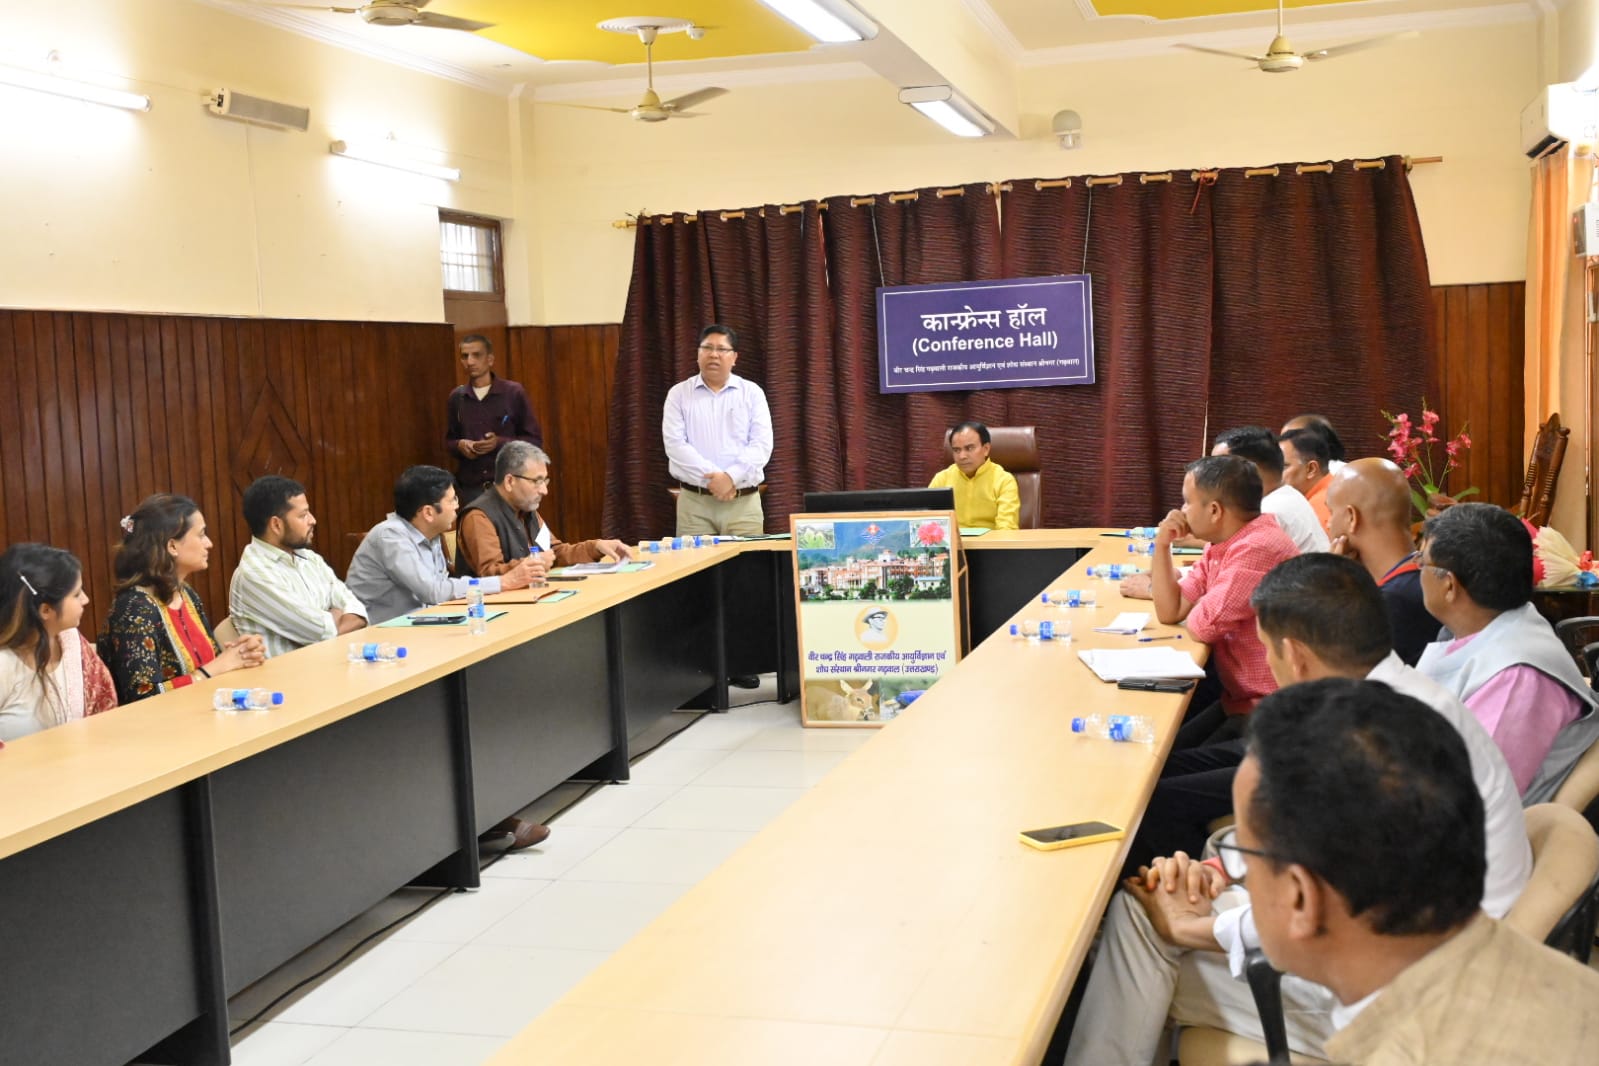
568,29
1188,9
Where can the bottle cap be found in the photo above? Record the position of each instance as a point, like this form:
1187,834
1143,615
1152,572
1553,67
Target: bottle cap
1015,630
472,582
277,699
399,653
1078,725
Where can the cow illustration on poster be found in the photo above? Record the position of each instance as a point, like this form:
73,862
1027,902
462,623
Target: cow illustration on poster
879,612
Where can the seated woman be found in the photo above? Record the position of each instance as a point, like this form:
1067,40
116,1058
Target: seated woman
49,675
157,637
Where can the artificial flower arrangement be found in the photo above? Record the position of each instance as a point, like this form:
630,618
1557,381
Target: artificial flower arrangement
1410,445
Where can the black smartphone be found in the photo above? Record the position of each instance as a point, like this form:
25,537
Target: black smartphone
1066,836
437,619
568,577
1155,684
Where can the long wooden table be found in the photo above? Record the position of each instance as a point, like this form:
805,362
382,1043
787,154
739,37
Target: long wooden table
157,860
891,917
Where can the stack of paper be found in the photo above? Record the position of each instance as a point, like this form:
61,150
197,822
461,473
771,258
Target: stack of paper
1128,622
1114,664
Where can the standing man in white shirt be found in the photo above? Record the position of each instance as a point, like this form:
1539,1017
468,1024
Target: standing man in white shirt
718,435
1283,502
282,589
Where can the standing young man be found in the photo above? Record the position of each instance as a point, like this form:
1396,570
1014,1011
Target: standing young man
484,415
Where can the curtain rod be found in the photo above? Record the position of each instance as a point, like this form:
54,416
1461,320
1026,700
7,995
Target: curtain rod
995,188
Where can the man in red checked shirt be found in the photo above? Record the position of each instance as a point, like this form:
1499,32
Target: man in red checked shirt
1221,506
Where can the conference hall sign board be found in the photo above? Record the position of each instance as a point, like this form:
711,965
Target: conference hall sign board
879,612
1015,333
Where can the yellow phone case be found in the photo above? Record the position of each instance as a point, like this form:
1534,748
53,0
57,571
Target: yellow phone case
1056,845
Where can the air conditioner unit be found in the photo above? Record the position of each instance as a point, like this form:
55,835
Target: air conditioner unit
254,109
1558,113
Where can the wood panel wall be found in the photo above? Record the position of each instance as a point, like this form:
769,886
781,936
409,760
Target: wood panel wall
98,411
1480,355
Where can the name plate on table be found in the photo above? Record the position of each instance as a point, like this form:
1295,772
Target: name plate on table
1018,333
879,612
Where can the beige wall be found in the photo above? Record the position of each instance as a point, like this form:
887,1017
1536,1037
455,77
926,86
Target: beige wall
1455,93
1577,42
178,211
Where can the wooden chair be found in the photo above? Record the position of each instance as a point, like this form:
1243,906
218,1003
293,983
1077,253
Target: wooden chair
1578,635
1016,449
1543,470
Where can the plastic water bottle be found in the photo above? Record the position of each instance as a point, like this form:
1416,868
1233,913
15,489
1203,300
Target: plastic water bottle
476,614
1067,599
1024,630
245,699
1141,547
1114,571
1143,532
1119,728
1048,631
375,653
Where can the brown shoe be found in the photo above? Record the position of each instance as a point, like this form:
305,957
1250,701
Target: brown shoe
524,834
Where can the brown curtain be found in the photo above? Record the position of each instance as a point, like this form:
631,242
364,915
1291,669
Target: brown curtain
1323,303
927,236
1113,452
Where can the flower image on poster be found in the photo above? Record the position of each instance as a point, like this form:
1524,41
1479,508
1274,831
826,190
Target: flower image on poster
878,615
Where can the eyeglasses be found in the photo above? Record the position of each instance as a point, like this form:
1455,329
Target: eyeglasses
542,479
714,349
1232,859
1441,571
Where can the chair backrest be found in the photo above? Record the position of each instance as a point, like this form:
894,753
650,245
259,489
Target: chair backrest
1543,470
1016,449
1578,634
1565,863
225,631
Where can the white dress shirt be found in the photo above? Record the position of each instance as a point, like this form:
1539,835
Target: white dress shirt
286,597
1298,519
705,431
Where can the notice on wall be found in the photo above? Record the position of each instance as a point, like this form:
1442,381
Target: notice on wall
879,615
1017,333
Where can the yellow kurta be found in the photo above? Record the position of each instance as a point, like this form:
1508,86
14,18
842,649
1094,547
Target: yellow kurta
986,500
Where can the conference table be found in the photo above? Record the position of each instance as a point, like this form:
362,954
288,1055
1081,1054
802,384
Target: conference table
158,859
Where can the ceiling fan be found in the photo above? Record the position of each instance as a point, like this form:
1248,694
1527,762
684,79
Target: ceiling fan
1281,58
651,108
396,13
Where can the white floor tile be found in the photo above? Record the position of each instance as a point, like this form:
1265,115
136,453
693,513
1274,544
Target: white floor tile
566,847
699,807
615,805
673,766
486,990
389,1047
771,769
797,738
728,731
585,915
659,856
366,983
283,1044
461,916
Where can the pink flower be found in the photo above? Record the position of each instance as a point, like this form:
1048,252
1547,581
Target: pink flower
1428,420
1465,441
1412,470
1452,448
930,533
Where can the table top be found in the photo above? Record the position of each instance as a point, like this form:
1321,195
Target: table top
891,915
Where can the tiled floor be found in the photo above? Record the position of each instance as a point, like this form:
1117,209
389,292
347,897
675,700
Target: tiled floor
450,985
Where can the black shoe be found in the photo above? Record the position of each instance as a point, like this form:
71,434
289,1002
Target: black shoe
744,681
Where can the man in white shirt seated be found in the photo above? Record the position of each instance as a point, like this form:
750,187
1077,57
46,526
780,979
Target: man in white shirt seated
282,589
1319,616
1282,501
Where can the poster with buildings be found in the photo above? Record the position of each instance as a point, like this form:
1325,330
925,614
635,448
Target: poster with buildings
879,612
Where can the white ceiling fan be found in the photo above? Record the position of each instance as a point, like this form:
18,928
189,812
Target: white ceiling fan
651,108
396,13
1281,58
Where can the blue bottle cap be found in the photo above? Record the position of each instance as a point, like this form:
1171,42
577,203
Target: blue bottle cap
1015,630
399,653
1079,725
277,699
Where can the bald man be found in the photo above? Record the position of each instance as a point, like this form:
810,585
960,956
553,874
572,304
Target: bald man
1368,505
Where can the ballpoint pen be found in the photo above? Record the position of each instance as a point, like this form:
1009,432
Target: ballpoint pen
1170,636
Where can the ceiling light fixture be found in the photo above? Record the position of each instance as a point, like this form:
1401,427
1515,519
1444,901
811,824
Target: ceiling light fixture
384,155
72,89
949,109
829,21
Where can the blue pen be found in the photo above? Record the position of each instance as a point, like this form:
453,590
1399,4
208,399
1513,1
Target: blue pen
1173,636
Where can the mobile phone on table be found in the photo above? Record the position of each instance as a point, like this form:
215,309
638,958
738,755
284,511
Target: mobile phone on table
1070,836
1155,684
437,619
568,577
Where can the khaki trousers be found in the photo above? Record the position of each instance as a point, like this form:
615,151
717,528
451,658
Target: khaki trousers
698,515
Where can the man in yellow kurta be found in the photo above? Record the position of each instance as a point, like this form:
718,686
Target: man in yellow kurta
985,494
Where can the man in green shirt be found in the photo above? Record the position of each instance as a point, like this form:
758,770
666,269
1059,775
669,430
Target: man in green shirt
985,494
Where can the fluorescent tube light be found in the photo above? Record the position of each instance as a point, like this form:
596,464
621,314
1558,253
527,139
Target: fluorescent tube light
949,109
384,156
75,90
829,21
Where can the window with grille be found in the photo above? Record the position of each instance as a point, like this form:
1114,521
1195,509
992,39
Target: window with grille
469,251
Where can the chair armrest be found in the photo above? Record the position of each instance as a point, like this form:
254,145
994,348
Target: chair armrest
1265,982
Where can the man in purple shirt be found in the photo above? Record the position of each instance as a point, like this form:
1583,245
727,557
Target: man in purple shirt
717,430
484,414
